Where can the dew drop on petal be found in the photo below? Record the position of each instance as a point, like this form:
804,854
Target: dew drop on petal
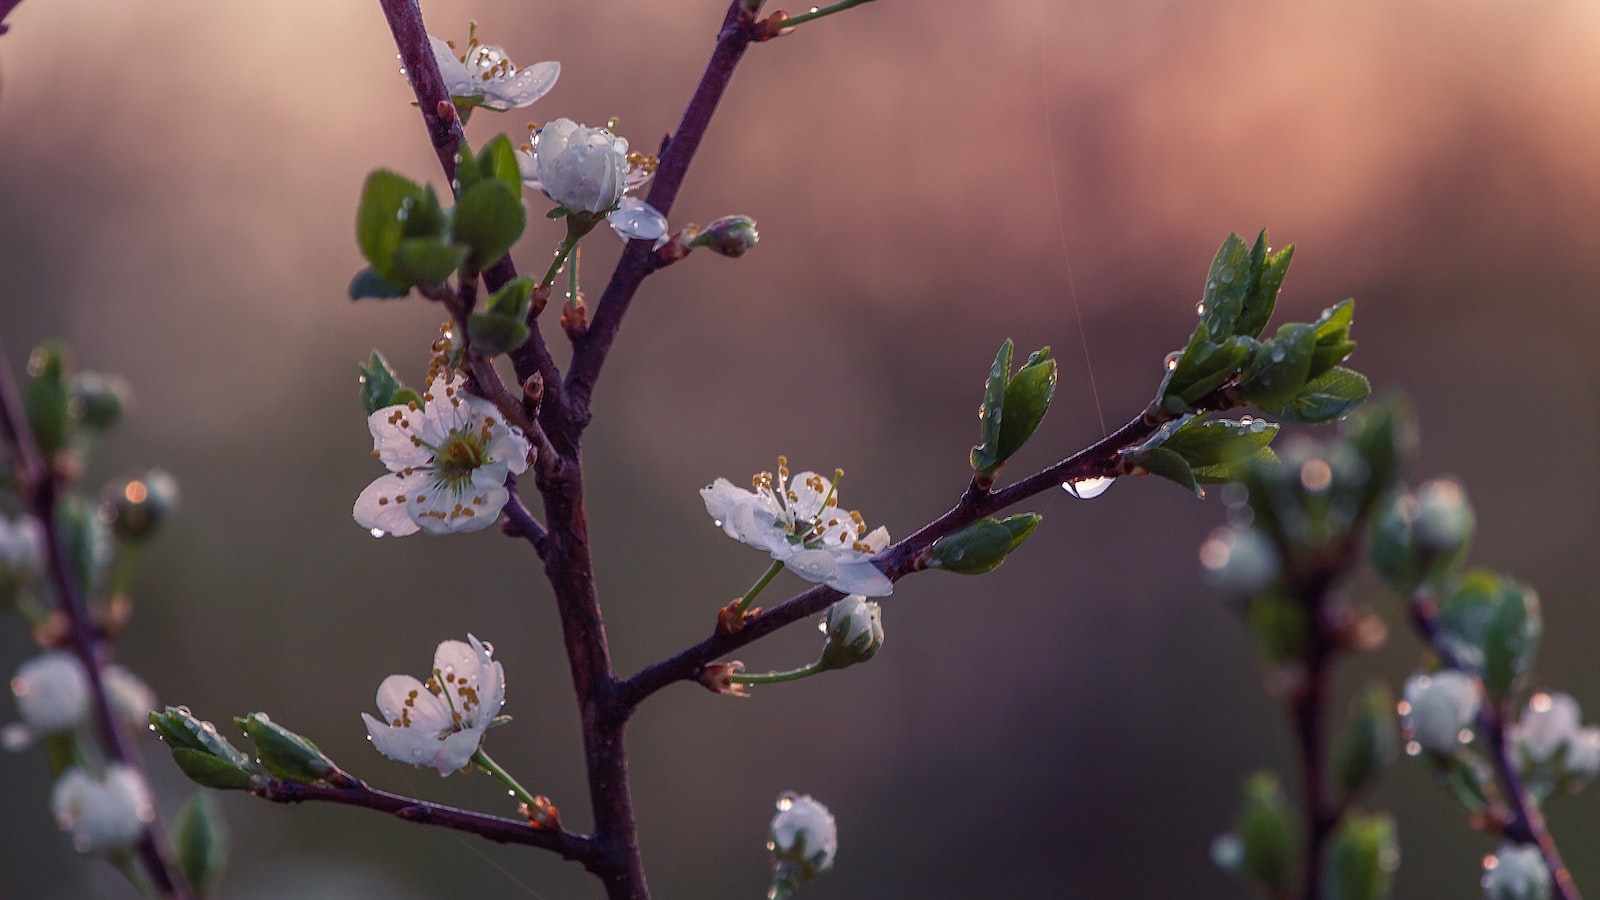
378,532
1087,488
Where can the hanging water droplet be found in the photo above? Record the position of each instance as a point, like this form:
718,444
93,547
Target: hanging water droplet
1200,308
378,532
1087,488
1171,361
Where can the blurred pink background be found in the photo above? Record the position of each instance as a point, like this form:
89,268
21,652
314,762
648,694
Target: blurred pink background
177,192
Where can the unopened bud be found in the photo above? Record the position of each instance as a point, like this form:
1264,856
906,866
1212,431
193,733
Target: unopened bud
1516,872
136,506
285,754
854,627
533,388
1241,561
803,839
22,543
102,814
1443,520
1439,707
98,400
730,236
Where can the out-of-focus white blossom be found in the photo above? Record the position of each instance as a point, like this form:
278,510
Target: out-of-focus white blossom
102,814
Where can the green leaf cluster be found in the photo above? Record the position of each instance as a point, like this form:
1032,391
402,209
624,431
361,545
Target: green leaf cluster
202,753
1013,407
381,387
1265,838
1362,854
409,240
1193,450
504,322
1293,375
1491,625
284,754
983,545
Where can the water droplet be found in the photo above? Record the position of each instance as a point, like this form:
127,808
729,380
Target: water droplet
378,532
184,711
208,728
1413,748
487,647
1171,361
1200,308
152,726
717,522
1227,276
1087,488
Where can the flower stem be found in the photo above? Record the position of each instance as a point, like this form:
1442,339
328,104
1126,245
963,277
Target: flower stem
504,777
776,677
816,13
760,585
577,227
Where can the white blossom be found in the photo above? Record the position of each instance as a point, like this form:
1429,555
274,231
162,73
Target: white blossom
589,171
440,722
1440,705
800,524
1551,730
447,462
803,836
1516,872
483,75
102,814
21,547
53,696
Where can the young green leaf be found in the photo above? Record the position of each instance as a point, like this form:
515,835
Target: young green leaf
369,285
1027,398
381,218
1362,855
986,455
201,841
379,383
489,219
1267,271
1331,395
1279,368
1492,626
285,754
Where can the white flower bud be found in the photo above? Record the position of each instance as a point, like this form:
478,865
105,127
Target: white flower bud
21,547
1516,872
1583,754
1550,723
854,628
583,169
1240,560
102,814
52,694
1443,518
1439,706
803,839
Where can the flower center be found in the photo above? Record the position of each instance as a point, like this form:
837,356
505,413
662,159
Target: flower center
458,456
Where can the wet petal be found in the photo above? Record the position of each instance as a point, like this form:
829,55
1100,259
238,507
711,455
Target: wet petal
523,88
860,576
395,430
406,745
635,219
405,699
379,505
813,565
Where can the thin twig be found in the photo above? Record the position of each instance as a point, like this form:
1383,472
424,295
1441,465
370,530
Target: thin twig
1525,824
521,523
40,489
499,829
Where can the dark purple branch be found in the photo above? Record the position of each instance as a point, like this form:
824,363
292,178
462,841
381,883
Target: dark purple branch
1102,458
6,6
1526,824
521,523
499,829
589,353
40,490
444,131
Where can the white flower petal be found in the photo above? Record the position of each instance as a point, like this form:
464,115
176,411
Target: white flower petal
860,576
405,745
522,88
812,565
457,80
378,506
408,701
394,435
635,219
456,751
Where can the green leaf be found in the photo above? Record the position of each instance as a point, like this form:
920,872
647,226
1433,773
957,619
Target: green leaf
1280,627
1492,626
1333,345
513,299
379,384
1279,367
468,170
285,754
212,771
1227,283
426,261
1202,367
1268,270
1334,393
1221,442
201,752
498,160
49,399
986,455
489,219
982,546
494,334
385,205
1168,464
1027,398
368,284
1362,855
200,839
1370,742
1266,831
